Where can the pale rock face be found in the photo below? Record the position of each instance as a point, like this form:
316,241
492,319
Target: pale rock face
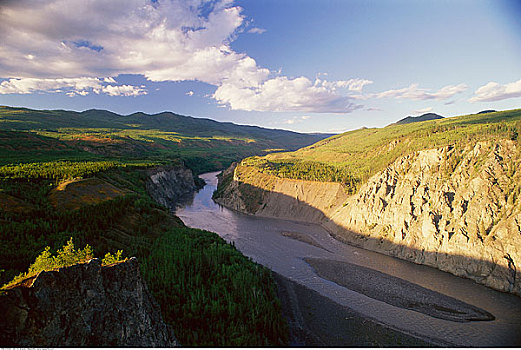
453,209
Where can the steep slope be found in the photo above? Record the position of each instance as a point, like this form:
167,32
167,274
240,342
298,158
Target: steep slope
456,207
84,305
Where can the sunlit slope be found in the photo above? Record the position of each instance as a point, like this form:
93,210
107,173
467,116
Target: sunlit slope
105,122
354,156
203,144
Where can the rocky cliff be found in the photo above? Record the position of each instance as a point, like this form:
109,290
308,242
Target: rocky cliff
253,192
454,208
167,184
83,305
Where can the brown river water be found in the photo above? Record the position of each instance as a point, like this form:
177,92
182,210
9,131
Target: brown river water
282,246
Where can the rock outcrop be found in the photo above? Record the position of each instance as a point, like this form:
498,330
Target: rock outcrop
167,184
264,195
83,305
456,209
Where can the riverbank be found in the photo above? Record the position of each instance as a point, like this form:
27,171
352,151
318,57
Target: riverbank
315,320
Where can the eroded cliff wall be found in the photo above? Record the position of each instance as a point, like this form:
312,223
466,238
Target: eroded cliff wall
84,305
456,209
253,192
167,184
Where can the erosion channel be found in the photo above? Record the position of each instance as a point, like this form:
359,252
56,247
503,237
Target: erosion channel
336,294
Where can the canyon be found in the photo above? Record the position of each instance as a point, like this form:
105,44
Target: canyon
453,208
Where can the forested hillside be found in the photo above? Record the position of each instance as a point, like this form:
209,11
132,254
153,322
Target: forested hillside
203,144
84,176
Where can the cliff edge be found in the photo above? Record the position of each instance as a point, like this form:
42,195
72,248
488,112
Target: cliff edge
454,208
83,305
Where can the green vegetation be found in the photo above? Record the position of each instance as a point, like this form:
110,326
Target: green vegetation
211,293
354,156
208,291
204,145
63,170
67,256
306,170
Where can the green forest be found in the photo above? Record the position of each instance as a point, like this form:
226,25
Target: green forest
208,291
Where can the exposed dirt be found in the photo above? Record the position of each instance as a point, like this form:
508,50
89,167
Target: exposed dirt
9,203
76,193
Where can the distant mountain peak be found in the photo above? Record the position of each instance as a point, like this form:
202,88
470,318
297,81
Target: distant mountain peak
421,118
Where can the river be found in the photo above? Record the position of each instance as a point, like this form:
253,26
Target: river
262,239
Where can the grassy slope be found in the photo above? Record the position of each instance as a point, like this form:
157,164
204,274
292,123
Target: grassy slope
159,137
361,153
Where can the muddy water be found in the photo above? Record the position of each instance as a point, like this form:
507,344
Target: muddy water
263,240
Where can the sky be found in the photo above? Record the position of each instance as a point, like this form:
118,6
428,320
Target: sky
303,65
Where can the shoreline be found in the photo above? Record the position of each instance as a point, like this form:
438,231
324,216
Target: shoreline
317,321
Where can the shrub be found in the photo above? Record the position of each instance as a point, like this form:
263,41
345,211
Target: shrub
67,256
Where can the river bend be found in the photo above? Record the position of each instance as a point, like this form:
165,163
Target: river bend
284,246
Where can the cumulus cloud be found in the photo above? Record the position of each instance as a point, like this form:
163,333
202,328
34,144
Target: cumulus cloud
71,86
281,94
164,40
123,90
413,92
496,92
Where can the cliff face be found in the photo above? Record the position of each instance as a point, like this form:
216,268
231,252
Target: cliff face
169,183
256,193
84,305
454,209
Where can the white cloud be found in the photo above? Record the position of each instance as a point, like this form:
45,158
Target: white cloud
190,93
256,30
413,92
123,90
422,110
71,86
493,91
167,40
281,94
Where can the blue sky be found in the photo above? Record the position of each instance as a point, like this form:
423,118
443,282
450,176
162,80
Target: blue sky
310,66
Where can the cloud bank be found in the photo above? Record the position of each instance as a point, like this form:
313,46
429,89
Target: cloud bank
413,92
496,92
50,45
71,86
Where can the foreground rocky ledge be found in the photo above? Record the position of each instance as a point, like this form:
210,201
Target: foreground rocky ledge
84,305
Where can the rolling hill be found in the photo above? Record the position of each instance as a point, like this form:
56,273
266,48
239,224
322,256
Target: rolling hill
421,118
204,144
